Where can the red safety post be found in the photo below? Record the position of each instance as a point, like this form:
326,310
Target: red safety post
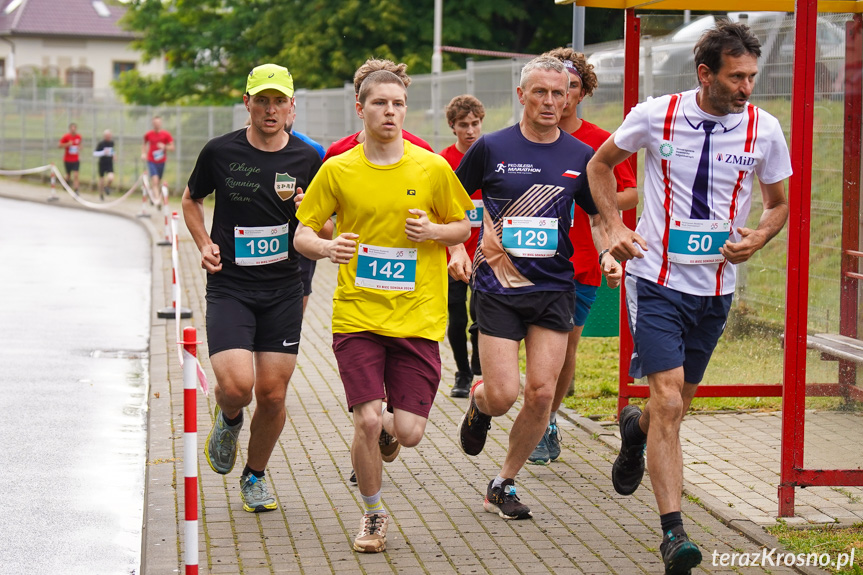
166,212
190,447
174,311
144,183
53,197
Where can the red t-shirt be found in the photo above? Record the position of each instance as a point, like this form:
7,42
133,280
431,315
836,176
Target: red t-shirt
585,257
154,154
453,156
70,153
350,142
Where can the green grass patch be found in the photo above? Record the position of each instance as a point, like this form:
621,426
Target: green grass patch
829,539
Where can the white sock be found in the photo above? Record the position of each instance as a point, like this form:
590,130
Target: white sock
373,504
552,418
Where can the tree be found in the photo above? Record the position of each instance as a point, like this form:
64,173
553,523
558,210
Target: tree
210,45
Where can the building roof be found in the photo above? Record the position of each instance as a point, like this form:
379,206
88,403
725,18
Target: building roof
65,18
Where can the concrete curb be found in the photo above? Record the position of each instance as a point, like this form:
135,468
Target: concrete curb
733,519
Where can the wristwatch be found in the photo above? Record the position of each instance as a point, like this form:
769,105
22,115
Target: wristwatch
601,254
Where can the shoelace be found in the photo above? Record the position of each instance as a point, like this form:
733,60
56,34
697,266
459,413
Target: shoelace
371,523
510,493
255,487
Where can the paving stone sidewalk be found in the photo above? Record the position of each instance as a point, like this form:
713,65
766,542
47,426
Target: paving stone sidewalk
434,492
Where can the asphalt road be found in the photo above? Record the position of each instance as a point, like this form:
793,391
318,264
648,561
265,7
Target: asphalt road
74,328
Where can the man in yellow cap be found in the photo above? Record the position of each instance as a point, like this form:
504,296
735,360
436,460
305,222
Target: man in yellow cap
254,289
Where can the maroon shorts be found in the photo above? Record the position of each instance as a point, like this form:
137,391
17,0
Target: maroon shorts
405,371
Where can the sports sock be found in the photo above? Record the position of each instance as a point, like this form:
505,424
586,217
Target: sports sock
234,421
552,418
373,504
633,431
498,481
258,474
670,521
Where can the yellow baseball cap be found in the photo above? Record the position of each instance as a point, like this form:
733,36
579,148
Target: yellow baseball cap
270,76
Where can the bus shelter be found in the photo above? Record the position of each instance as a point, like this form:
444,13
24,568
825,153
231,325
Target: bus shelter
844,347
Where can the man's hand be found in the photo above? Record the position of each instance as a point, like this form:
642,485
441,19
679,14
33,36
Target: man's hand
211,260
460,266
612,271
419,229
298,198
342,248
750,242
625,242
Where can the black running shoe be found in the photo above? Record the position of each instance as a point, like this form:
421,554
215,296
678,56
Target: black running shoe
503,501
679,554
462,385
628,469
474,426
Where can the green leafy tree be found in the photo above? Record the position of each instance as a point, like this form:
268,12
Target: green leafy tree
210,45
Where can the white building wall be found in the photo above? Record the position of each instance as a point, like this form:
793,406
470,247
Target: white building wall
61,54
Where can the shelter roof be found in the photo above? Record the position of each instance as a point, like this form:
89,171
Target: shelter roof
855,6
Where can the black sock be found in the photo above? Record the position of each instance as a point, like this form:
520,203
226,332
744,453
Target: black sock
235,421
259,474
670,521
634,435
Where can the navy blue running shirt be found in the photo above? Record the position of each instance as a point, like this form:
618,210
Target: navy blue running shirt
523,179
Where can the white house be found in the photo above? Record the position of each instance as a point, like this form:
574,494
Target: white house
76,41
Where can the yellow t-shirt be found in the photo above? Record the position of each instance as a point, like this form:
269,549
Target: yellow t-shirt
373,201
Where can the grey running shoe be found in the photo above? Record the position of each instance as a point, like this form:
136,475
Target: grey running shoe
679,554
540,455
628,469
256,496
503,501
221,448
553,441
389,446
373,533
474,426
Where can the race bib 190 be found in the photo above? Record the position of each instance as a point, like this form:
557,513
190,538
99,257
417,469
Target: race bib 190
260,245
386,268
530,237
697,241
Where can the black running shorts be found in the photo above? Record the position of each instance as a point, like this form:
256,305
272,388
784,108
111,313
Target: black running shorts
255,320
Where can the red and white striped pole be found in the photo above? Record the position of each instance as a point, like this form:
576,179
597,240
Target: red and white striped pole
190,447
144,185
53,197
174,311
166,212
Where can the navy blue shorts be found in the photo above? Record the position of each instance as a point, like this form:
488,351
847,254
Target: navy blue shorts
307,273
672,329
585,295
156,169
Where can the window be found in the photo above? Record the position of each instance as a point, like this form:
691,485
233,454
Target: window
120,67
79,77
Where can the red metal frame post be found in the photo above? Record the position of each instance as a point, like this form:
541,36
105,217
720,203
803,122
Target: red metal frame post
848,297
632,38
797,286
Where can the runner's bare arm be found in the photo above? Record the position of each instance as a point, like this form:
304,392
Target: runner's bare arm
420,228
339,250
460,265
772,220
603,188
193,214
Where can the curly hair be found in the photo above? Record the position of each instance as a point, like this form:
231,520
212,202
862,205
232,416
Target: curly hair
461,106
373,65
588,77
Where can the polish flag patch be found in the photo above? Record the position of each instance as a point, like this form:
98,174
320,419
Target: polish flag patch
571,174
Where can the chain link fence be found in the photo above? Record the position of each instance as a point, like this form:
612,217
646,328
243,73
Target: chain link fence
32,123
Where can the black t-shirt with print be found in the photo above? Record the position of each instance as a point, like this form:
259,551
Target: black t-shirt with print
253,188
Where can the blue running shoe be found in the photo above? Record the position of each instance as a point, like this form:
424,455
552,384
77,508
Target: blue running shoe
540,455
